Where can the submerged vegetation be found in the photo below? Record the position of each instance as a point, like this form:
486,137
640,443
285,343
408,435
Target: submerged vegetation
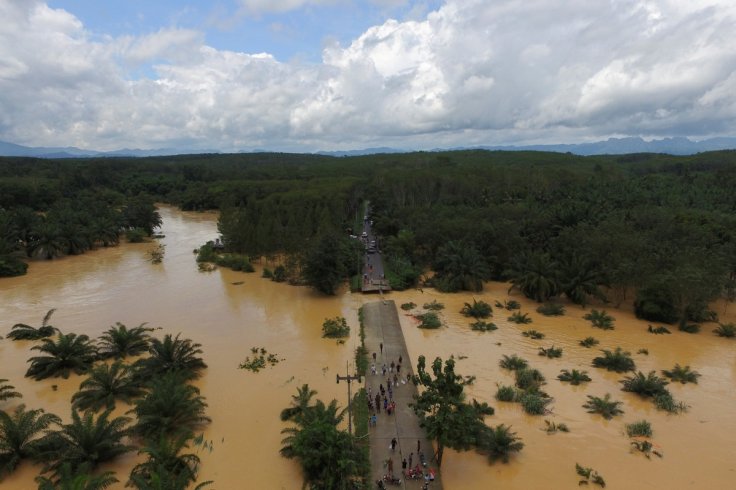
605,407
335,327
165,411
619,361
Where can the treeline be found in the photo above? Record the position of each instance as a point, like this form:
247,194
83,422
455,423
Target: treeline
656,228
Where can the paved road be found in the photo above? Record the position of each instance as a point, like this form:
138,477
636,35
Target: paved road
382,326
373,273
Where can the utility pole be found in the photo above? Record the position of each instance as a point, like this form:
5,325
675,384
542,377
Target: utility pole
349,378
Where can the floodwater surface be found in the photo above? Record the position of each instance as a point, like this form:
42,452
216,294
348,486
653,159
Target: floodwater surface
93,291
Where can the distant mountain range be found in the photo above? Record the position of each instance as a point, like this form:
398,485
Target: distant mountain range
611,146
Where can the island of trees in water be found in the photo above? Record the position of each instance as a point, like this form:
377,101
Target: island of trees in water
658,229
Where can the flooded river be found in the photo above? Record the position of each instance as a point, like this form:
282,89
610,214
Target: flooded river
93,291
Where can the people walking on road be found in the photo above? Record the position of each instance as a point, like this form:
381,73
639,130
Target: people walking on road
373,369
378,402
393,444
381,348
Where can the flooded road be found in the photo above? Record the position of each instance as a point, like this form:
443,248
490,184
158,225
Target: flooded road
93,291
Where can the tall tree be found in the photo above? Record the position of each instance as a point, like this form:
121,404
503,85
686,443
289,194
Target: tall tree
443,411
459,266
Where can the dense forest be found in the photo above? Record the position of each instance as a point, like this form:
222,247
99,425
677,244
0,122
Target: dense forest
658,229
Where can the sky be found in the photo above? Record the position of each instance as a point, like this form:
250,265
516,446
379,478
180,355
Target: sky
310,75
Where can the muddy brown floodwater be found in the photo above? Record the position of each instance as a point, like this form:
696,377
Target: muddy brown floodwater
93,291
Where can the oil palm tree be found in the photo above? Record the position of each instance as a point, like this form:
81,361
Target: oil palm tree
46,241
172,354
20,436
645,385
574,377
21,331
88,440
82,479
619,360
535,275
68,353
162,479
499,442
459,266
120,342
105,384
605,406
6,391
299,402
580,280
171,408
166,453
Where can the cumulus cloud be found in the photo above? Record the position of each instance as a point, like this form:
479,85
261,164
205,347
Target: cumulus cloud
470,72
279,6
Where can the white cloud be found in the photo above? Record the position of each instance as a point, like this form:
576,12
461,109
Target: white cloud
280,6
472,72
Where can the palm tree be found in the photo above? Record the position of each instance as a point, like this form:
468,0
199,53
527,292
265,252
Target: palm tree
512,363
119,342
19,436
46,241
574,377
299,402
162,479
69,353
105,384
88,441
580,279
166,453
649,385
21,331
499,442
172,355
600,319
6,391
618,360
535,275
678,373
104,230
172,407
478,309
82,479
605,406
459,266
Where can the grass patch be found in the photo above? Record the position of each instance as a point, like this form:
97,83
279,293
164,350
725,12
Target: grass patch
640,428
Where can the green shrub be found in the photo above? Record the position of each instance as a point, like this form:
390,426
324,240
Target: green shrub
267,273
551,352
136,235
641,428
477,309
533,334
505,394
520,318
600,319
335,327
512,304
589,342
512,363
727,330
656,304
682,374
529,379
428,320
280,275
11,266
534,403
408,306
619,361
482,326
551,309
665,401
206,253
